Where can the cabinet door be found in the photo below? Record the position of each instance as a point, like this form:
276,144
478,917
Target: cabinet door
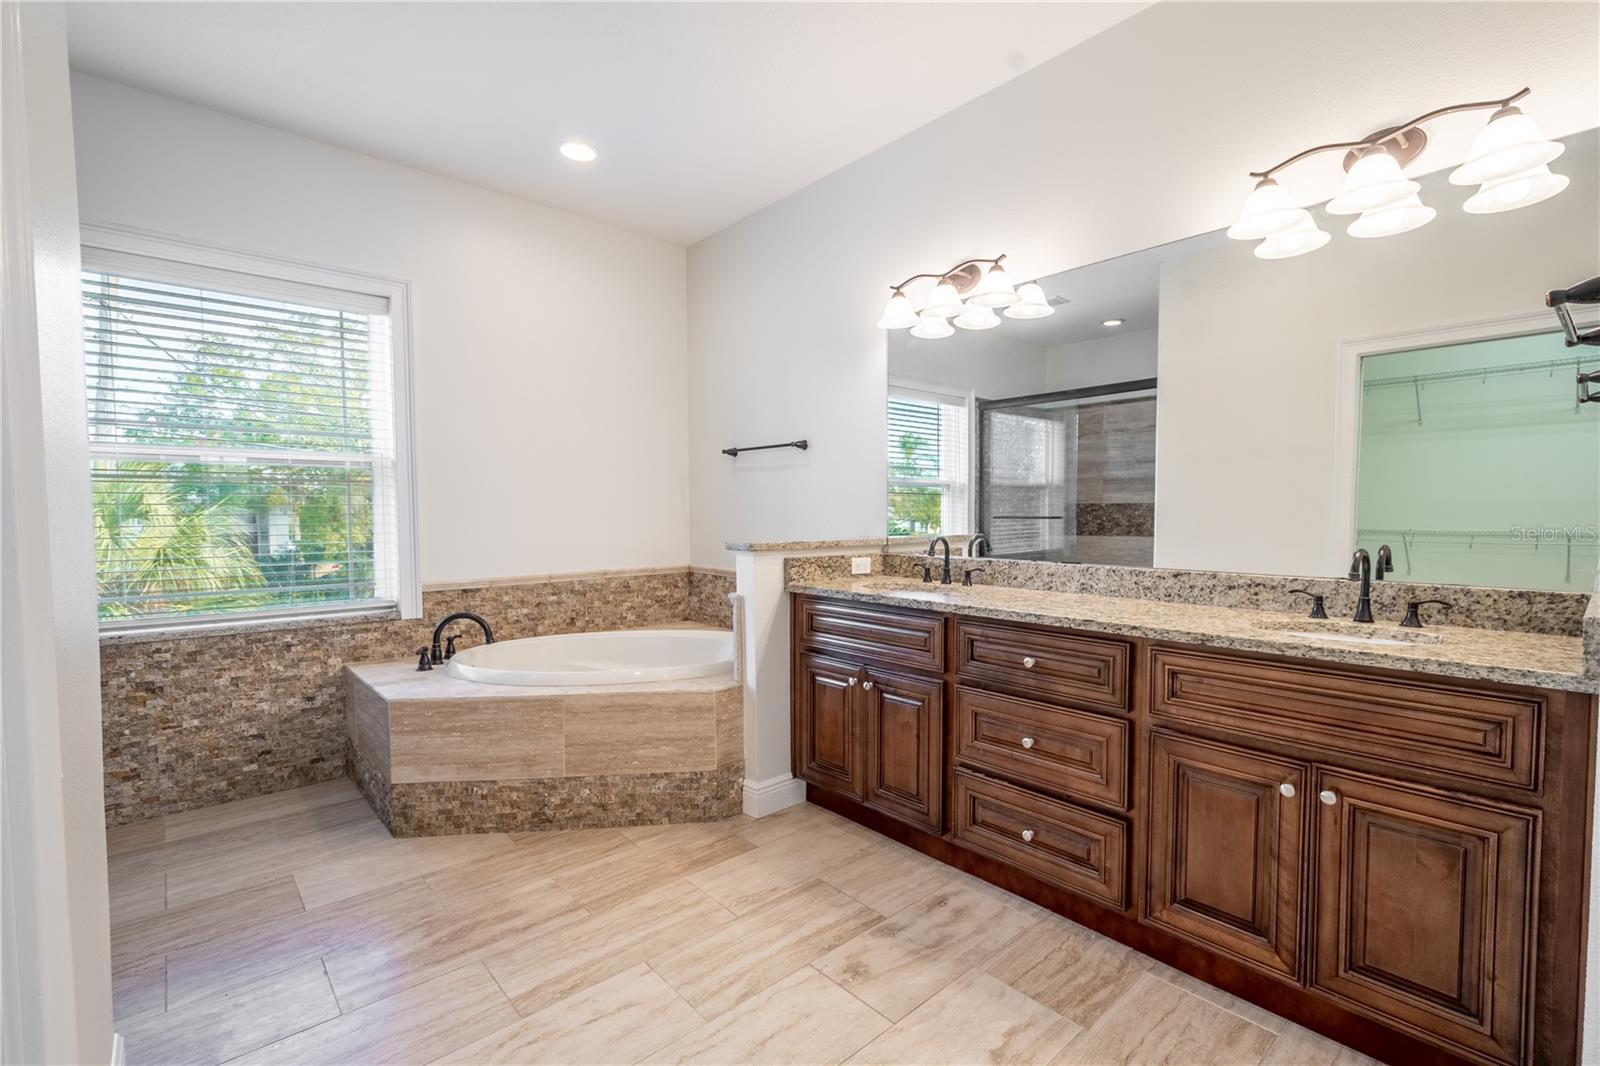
1425,909
904,725
827,745
1225,850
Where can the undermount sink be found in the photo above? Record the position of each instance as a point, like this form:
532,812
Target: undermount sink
1350,632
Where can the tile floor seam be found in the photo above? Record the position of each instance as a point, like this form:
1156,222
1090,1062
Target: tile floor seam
1218,1006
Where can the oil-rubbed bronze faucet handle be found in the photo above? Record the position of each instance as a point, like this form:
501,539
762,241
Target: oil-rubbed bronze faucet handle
1413,620
1317,608
424,662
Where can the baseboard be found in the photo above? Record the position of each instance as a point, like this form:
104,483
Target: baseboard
762,798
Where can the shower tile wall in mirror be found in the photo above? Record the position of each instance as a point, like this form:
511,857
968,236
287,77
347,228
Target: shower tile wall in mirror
1273,416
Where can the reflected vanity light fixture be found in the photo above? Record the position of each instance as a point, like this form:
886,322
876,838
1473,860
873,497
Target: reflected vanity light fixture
967,295
1509,161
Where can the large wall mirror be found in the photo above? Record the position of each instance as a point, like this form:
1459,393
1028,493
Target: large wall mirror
1194,406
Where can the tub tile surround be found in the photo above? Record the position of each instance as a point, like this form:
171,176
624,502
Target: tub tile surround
436,754
193,719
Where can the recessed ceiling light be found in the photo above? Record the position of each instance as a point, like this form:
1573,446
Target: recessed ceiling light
1113,323
579,152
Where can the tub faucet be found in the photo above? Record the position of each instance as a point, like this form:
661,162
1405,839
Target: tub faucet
488,634
944,572
1361,569
977,546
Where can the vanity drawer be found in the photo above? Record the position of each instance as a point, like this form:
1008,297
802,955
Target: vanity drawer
1076,753
1086,670
1068,846
909,638
1459,732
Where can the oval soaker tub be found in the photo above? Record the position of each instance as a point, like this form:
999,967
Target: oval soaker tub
613,658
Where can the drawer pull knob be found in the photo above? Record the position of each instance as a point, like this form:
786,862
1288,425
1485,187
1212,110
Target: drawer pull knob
1029,662
852,682
1027,742
1286,790
867,685
1027,836
1328,797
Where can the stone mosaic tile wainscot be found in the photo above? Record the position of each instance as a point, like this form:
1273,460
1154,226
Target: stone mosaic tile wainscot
192,720
708,597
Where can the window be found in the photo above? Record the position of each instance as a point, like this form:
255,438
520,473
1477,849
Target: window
928,462
243,438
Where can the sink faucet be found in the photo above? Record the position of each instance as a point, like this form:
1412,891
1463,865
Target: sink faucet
944,573
1383,564
1361,568
977,546
488,634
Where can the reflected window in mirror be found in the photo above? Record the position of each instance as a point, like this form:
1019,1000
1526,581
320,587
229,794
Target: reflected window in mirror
929,461
1477,465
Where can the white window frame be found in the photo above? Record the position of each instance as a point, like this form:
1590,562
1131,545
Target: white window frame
112,240
966,489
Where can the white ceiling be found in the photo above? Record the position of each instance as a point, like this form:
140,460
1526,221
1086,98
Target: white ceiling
702,113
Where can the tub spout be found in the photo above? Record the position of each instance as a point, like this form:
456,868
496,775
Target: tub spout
488,634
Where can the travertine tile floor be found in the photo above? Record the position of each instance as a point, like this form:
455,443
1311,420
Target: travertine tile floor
293,929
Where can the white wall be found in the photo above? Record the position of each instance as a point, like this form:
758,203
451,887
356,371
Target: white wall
1102,361
55,968
987,363
1132,139
549,351
1248,472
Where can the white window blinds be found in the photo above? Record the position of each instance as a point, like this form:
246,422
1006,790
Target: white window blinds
929,460
242,437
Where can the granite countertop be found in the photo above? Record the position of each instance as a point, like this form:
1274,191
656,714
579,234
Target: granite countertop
1479,654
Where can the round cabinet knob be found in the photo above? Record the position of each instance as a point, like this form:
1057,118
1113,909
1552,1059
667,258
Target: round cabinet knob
1029,662
1027,836
1286,790
852,682
1027,742
867,685
1328,797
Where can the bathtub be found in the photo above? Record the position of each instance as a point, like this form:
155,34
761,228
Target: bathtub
622,657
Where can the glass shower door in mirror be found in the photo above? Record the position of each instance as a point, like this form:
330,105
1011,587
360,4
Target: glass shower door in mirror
1070,476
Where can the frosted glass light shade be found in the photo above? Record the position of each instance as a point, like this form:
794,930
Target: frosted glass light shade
898,313
931,327
976,316
1401,217
1268,210
1304,238
994,290
945,303
1031,302
1518,190
1374,182
1510,144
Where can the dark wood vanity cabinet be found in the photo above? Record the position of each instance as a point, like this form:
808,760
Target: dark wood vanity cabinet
1396,860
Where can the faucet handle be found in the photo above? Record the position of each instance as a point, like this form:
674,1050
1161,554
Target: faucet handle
450,646
423,662
967,572
927,572
1413,620
1318,610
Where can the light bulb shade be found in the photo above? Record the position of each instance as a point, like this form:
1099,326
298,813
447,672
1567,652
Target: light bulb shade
1518,190
1510,144
1373,182
945,302
976,316
898,313
1031,302
1268,210
1400,217
931,327
1304,238
994,289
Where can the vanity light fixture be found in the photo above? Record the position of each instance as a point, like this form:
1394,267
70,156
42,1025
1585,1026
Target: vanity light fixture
1509,160
579,152
985,291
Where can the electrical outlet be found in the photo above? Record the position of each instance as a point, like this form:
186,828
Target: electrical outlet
861,564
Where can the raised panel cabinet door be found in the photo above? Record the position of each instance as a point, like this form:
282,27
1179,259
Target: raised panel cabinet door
903,718
1226,849
1425,910
827,739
